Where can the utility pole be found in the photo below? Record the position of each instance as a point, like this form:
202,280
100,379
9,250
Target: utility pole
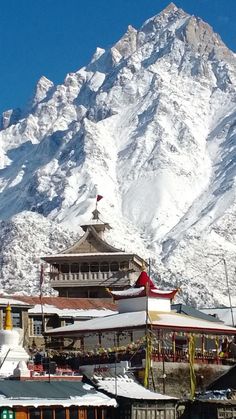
227,282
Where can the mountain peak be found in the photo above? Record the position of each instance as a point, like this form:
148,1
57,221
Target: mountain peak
128,43
42,87
170,8
168,19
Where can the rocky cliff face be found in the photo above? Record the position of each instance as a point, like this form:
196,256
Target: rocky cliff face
149,124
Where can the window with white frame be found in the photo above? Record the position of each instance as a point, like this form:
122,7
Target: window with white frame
37,326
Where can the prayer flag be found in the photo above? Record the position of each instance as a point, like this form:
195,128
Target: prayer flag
99,197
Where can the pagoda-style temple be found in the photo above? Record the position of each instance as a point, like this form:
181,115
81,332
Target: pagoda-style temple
92,265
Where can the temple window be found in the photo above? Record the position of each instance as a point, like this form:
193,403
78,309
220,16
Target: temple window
84,267
74,268
104,267
124,265
65,268
114,267
94,267
16,319
37,326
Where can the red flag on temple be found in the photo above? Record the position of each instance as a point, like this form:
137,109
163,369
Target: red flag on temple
99,197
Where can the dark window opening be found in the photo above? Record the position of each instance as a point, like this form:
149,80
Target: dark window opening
114,267
47,414
84,267
104,267
73,412
74,268
94,267
91,413
65,268
34,413
60,413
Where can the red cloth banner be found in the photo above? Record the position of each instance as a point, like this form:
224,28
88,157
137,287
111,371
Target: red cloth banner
99,197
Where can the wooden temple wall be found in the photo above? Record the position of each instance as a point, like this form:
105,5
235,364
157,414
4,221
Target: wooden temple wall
73,412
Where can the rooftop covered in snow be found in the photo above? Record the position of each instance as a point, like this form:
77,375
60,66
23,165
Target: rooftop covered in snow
127,387
137,320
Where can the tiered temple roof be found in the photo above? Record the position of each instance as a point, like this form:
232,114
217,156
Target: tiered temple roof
91,265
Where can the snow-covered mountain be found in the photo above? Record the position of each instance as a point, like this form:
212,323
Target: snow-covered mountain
151,125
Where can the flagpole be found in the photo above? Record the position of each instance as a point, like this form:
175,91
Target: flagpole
228,288
41,295
148,343
95,212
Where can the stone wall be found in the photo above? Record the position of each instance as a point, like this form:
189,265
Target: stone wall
177,381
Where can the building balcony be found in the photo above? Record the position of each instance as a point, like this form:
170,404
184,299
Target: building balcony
105,279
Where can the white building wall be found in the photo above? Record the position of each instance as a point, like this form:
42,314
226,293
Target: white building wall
140,304
159,304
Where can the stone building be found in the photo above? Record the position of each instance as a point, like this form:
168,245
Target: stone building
92,265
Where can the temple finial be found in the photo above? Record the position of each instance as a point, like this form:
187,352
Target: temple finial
8,320
95,214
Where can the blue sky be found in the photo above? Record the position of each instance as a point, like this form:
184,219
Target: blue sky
55,37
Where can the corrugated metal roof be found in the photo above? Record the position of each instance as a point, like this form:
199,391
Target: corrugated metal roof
42,389
58,389
68,303
191,311
54,393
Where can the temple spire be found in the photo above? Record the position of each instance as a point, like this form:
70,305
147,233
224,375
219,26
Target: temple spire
8,320
96,214
96,222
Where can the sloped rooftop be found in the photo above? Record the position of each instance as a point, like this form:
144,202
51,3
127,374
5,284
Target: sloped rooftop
62,393
191,311
137,319
127,387
62,306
